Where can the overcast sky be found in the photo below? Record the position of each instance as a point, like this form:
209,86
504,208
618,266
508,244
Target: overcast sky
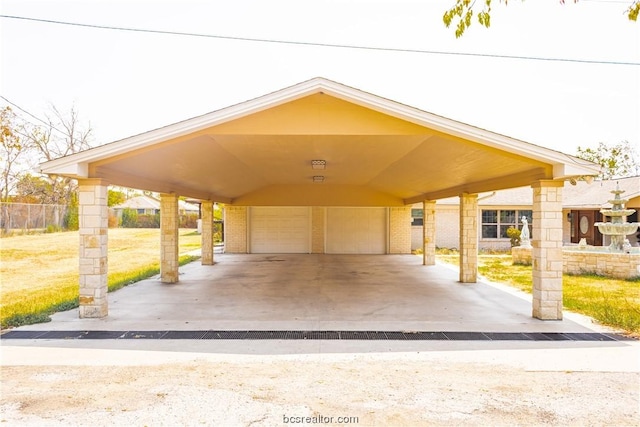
125,83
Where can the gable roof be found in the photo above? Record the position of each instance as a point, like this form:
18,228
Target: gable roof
378,152
580,195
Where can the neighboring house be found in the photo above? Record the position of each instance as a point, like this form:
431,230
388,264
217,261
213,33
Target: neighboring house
499,210
147,205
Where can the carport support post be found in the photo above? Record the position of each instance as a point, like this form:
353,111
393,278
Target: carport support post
547,249
429,232
169,238
93,221
468,238
207,233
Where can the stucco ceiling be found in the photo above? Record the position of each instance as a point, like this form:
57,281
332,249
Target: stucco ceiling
377,153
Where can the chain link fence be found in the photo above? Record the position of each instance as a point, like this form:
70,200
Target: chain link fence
32,217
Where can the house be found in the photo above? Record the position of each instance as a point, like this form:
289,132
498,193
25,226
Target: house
499,210
320,168
143,205
147,205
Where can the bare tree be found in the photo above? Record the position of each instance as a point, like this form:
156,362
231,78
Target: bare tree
60,135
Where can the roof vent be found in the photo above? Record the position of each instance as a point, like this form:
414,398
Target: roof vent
318,164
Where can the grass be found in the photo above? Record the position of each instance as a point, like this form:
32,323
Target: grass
612,302
38,281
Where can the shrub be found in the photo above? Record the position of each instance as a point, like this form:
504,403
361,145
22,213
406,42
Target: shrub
189,220
129,218
514,235
71,220
148,221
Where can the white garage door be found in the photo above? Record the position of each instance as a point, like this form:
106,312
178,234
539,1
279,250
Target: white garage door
284,230
356,230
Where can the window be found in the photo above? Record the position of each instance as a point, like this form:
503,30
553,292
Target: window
417,217
496,222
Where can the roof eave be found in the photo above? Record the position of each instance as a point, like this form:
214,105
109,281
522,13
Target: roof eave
564,166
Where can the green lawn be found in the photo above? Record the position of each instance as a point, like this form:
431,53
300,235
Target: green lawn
612,302
40,276
40,272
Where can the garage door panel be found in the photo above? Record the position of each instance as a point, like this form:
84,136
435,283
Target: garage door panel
280,229
356,230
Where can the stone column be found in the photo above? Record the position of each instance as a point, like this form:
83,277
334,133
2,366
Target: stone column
429,232
547,249
207,233
169,238
399,230
93,216
235,229
468,238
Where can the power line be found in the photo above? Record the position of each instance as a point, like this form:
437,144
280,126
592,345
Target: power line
49,124
315,44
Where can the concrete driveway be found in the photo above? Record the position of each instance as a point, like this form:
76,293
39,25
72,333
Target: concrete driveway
261,382
316,293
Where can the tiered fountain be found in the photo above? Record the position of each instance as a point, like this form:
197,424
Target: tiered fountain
619,260
618,229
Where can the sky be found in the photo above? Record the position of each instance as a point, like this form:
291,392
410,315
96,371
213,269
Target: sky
123,83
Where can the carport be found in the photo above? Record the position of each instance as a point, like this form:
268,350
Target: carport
321,168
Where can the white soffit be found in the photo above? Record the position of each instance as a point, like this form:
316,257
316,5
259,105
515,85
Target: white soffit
563,165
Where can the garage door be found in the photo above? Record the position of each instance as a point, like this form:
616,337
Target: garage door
356,230
284,230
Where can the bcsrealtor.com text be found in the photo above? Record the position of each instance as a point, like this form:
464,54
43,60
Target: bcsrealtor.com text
319,419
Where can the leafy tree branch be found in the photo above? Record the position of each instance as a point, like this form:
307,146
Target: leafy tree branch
460,14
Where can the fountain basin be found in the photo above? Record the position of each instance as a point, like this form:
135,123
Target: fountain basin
612,228
617,212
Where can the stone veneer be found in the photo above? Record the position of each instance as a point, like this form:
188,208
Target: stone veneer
235,229
93,216
521,256
207,233
574,261
429,232
547,250
400,230
468,238
169,238
615,265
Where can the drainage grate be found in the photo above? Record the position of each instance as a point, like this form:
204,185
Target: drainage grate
143,335
62,335
557,336
23,335
507,336
314,335
353,335
466,336
266,335
184,335
420,336
103,335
